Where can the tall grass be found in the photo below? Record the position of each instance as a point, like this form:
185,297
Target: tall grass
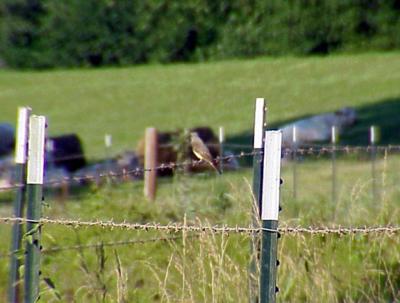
214,267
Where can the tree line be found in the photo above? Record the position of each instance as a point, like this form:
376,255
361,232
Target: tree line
53,33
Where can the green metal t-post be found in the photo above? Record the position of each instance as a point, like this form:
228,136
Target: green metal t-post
221,139
294,147
35,173
268,266
14,290
269,216
19,203
108,146
32,261
373,139
259,125
334,138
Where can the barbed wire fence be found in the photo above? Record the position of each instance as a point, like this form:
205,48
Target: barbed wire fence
314,150
177,227
35,222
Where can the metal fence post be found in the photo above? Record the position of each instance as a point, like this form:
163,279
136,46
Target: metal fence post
108,146
35,172
259,125
269,216
372,141
334,138
19,203
221,138
294,146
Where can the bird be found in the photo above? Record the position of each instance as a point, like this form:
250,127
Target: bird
201,151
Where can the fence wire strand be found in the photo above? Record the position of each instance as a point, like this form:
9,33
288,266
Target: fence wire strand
134,172
179,227
317,150
55,249
110,244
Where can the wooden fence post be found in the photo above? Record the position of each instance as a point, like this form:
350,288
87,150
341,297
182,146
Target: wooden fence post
258,142
269,216
19,203
35,172
150,163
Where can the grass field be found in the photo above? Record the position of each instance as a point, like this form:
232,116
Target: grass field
124,101
213,268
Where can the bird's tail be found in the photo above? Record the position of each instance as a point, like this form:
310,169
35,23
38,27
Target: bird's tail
215,166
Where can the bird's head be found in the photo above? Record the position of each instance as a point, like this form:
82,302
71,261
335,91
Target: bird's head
194,135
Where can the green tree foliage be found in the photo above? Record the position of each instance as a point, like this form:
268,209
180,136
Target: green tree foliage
49,33
20,31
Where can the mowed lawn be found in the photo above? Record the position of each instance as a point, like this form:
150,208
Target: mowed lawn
123,101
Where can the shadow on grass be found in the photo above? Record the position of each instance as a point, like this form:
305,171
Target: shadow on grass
385,114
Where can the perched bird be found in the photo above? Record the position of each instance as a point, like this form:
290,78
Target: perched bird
201,150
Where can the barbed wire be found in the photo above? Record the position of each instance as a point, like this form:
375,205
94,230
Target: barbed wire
179,227
283,230
304,148
56,249
133,172
307,147
113,244
318,150
313,148
329,149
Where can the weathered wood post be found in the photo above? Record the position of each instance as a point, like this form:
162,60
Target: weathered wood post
35,172
269,216
334,139
19,203
150,163
258,157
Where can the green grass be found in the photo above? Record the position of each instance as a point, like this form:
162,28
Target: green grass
316,268
124,101
213,268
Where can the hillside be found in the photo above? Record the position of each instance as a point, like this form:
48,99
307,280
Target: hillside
123,101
